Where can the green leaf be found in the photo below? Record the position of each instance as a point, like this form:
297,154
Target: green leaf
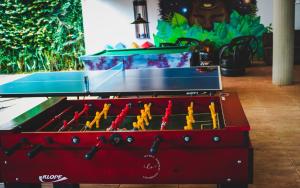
178,20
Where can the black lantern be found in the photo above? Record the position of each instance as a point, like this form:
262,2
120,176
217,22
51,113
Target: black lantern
141,19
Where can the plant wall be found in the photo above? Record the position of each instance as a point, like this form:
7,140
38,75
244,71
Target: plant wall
44,35
221,34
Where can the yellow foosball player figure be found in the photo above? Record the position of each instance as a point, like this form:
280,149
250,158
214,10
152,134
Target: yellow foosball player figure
88,125
97,119
192,105
213,115
190,110
140,123
191,114
190,117
135,126
144,117
105,110
189,124
147,108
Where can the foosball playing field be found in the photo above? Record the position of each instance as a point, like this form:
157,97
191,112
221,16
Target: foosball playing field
135,115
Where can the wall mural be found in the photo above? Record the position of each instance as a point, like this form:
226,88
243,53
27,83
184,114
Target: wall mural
216,21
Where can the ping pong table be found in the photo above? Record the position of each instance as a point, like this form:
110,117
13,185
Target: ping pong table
117,81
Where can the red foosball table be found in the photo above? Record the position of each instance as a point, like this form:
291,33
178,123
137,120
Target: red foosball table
195,136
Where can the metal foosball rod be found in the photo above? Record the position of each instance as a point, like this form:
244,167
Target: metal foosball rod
57,117
74,119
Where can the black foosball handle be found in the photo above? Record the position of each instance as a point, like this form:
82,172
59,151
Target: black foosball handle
15,147
89,155
155,145
36,149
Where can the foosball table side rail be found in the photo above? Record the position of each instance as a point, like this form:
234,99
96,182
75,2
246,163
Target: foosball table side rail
123,164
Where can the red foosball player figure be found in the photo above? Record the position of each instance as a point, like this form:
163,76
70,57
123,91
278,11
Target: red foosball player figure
164,123
65,124
165,119
76,117
119,119
112,127
86,110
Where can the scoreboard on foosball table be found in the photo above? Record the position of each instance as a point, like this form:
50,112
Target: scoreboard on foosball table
141,140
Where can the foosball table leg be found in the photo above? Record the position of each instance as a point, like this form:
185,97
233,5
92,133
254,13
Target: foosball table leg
61,185
23,185
232,186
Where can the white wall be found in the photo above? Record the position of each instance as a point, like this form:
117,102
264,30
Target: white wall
297,15
108,22
265,11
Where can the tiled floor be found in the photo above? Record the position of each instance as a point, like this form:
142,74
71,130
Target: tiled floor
274,115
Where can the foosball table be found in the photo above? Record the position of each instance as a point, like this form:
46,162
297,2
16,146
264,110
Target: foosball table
195,136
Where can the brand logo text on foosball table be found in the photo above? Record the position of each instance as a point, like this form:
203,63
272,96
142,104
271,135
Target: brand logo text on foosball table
52,178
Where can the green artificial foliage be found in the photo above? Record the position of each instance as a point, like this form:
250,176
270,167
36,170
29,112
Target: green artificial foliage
221,34
178,20
40,35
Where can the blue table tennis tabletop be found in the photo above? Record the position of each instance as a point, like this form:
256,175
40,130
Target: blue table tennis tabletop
194,80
